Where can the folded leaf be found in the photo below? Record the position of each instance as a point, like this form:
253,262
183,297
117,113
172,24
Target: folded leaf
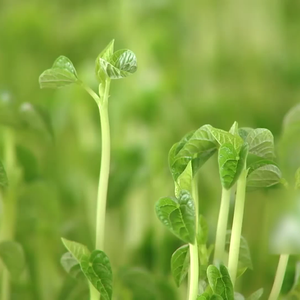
256,295
76,249
180,263
178,215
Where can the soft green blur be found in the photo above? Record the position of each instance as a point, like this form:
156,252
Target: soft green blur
198,62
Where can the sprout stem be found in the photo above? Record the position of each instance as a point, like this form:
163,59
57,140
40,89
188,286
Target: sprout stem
282,264
237,226
194,260
222,226
104,169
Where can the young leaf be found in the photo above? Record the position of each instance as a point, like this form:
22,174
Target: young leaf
244,132
216,297
245,261
76,249
256,295
184,181
12,255
61,74
234,129
297,179
97,269
220,282
178,215
180,263
265,176
197,147
261,143
3,177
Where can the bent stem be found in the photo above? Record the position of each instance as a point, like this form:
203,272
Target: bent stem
222,225
194,260
237,225
282,264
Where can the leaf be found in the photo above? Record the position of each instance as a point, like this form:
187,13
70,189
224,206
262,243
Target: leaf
297,179
197,147
61,74
244,132
238,296
256,295
261,143
265,176
220,282
216,297
71,265
224,137
178,215
12,255
76,249
204,296
184,181
97,269
180,263
244,261
3,176
234,129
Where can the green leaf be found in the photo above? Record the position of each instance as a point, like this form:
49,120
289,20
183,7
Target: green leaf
297,179
197,147
256,295
61,74
184,180
180,263
76,249
71,265
97,269
202,234
216,297
178,215
265,176
220,282
244,261
12,255
3,177
244,132
204,296
234,129
261,143
224,137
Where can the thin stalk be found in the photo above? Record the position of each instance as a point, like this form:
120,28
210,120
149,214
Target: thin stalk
194,260
282,264
222,225
237,225
104,168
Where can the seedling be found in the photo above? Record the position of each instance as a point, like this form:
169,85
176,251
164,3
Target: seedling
246,157
109,65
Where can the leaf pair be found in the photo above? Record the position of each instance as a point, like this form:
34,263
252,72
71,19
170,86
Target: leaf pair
115,65
95,266
109,64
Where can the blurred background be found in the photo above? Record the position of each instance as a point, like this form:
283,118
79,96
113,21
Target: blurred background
199,62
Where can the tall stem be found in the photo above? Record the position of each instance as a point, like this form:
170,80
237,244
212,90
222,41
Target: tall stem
8,204
282,264
194,260
104,169
237,225
222,225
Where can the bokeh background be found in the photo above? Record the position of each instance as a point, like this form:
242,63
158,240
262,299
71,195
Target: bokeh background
198,62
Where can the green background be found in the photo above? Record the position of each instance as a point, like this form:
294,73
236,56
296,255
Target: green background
199,62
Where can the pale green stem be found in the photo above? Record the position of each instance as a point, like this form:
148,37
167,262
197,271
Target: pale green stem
104,169
237,226
282,264
222,226
194,260
8,204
